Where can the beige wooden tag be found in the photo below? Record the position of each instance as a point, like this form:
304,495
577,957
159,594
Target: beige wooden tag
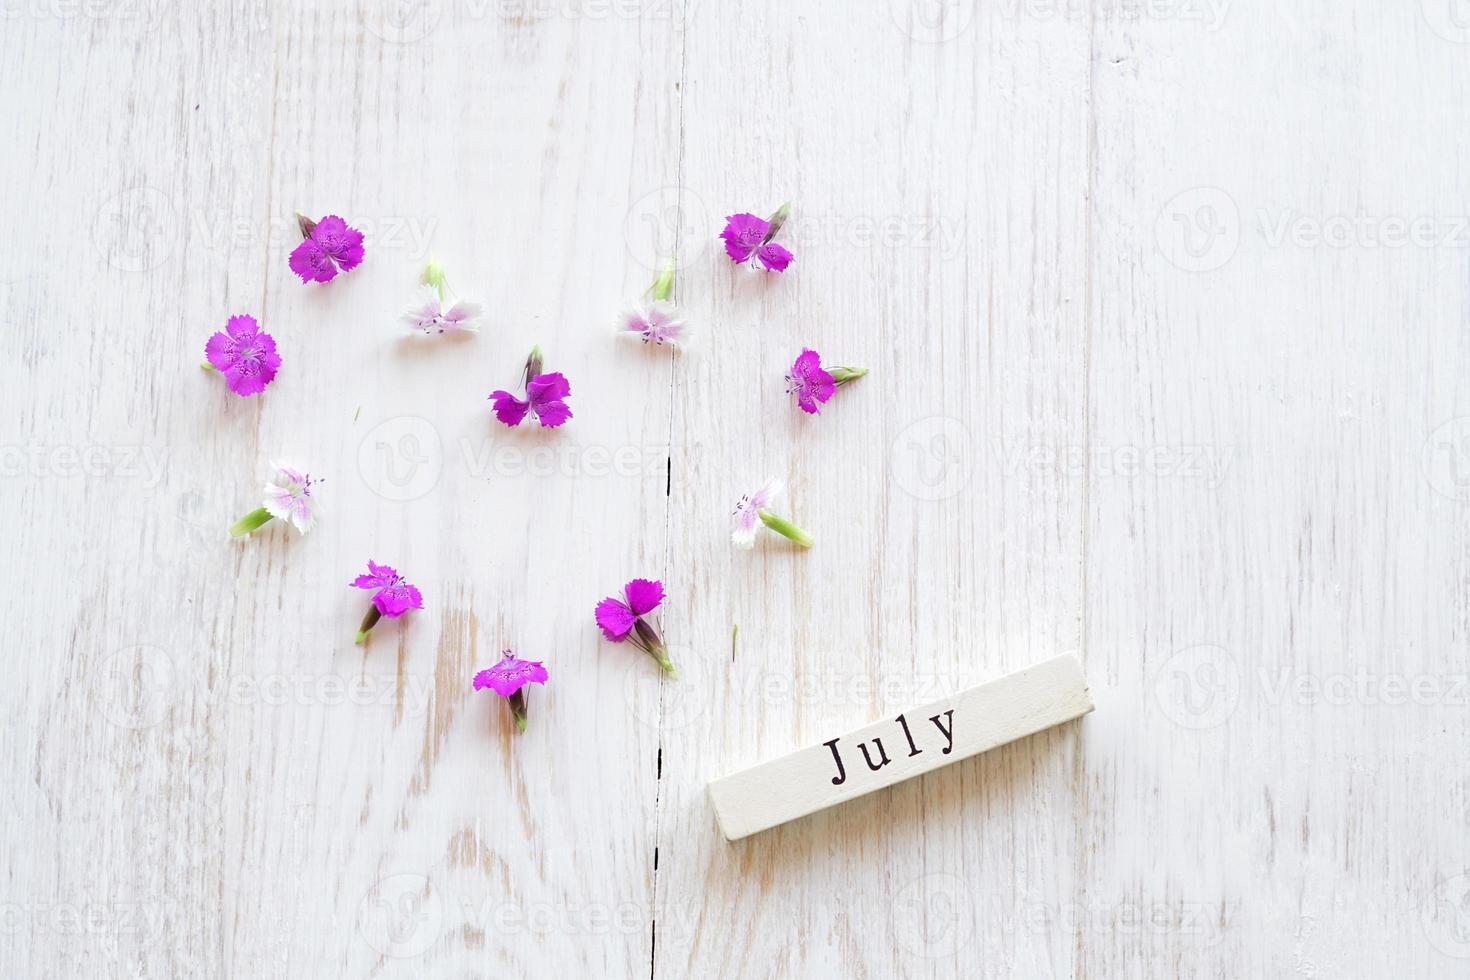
901,747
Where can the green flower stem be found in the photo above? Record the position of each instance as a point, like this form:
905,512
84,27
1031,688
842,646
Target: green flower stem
776,221
252,521
785,528
517,702
663,286
207,366
661,657
433,275
368,622
842,375
647,640
534,364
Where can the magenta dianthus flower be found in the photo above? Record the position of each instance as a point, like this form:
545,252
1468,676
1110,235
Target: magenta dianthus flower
622,620
327,246
393,598
508,678
748,237
545,396
244,354
811,383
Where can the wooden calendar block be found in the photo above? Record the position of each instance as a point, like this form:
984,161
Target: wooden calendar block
900,747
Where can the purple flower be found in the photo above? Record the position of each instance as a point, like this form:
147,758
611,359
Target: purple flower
752,510
622,620
616,617
811,383
658,322
507,678
545,396
244,354
394,596
510,675
748,237
326,246
808,382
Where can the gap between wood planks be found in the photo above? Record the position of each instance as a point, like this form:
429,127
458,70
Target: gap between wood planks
668,484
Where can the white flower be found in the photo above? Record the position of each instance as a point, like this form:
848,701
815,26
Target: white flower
658,322
427,314
747,513
288,497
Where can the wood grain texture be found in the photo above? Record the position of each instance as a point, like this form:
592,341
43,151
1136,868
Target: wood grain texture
1165,308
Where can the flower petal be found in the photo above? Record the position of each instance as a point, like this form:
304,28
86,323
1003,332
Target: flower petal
552,414
774,257
377,576
509,409
338,240
220,351
614,619
510,675
311,262
463,315
644,595
764,496
242,327
743,233
395,600
423,313
548,387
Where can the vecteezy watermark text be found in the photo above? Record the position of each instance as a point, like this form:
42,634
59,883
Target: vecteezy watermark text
145,464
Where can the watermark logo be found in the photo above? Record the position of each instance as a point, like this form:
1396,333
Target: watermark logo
1198,687
660,702
1204,464
1446,917
931,458
131,10
134,229
1450,19
932,21
144,464
98,920
401,458
401,916
1210,14
134,686
943,234
525,11
934,916
1198,230
400,21
1446,459
663,221
1362,229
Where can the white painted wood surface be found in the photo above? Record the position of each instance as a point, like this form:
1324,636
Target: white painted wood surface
1165,308
920,739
